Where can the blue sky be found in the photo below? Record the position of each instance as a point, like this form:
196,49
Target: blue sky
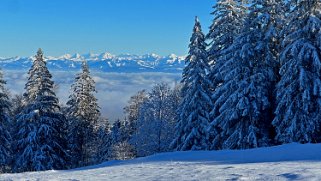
116,26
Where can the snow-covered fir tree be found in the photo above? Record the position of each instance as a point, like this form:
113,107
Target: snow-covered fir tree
83,114
40,140
196,96
5,123
243,103
227,24
299,90
32,85
156,121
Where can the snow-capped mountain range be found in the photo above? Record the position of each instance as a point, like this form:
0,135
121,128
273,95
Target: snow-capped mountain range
104,62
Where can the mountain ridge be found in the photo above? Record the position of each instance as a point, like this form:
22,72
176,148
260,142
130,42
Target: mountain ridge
104,62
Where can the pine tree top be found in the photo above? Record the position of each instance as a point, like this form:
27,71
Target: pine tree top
197,26
85,67
197,42
39,54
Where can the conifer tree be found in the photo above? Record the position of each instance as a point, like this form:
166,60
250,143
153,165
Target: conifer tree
243,102
40,138
33,83
297,115
228,22
5,123
83,114
196,92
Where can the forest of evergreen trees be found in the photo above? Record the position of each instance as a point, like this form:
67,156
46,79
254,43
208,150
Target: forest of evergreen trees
253,81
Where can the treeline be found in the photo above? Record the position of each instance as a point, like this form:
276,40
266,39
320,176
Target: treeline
255,79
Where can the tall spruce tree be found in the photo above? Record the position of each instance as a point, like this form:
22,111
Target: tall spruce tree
299,90
83,114
244,100
40,138
196,92
5,123
33,83
228,22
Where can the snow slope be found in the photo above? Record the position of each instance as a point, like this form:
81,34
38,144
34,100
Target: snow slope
286,162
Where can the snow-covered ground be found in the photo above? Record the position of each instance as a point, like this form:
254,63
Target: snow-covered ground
287,162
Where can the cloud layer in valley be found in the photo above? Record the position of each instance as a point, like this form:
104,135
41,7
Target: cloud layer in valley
113,89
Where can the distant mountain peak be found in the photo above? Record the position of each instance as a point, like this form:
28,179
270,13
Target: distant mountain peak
66,56
106,55
104,62
77,56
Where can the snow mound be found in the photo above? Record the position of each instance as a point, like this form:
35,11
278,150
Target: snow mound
289,152
286,162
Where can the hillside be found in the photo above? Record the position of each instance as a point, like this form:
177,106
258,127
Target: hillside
286,162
